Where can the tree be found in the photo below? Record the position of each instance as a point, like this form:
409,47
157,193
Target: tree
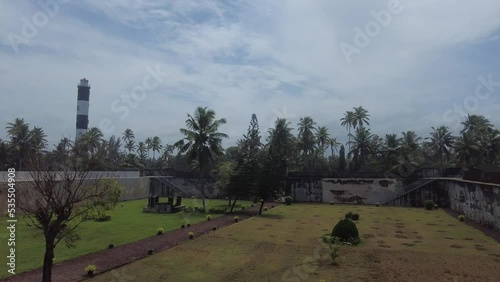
348,121
441,142
38,139
323,138
391,150
202,141
307,141
342,162
361,146
156,145
128,137
467,149
225,170
20,136
142,151
58,200
149,144
361,117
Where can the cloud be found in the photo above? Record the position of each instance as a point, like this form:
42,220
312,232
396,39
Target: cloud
245,57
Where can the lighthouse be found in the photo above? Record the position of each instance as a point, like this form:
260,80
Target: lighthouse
82,108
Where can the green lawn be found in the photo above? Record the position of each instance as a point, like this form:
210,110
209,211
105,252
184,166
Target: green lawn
128,224
399,244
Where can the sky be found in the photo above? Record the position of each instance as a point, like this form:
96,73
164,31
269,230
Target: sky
412,64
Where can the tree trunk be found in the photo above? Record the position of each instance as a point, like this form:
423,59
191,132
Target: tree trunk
261,206
47,260
234,202
202,181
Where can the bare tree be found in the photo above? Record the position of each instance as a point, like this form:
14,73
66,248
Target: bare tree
58,201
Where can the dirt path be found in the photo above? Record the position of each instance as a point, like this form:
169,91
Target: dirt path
106,260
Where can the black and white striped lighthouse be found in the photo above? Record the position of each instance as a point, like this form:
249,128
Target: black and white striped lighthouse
82,108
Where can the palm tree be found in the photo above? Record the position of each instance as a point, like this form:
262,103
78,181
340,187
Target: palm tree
20,136
362,146
348,121
361,117
410,143
467,149
38,139
156,145
142,150
128,137
202,141
149,144
491,144
307,141
441,141
475,124
333,145
391,149
322,137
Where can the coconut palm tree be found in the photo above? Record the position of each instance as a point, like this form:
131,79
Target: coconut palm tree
149,144
441,141
361,117
333,145
362,146
410,143
391,148
128,137
156,145
467,149
38,139
475,124
491,145
322,137
202,141
20,136
348,121
142,152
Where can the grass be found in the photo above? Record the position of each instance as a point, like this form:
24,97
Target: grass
128,224
283,244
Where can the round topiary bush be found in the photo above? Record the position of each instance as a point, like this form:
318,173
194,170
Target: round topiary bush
346,231
288,200
429,205
355,216
461,217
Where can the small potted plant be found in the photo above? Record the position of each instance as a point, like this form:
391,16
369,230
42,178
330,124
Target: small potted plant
377,204
90,269
188,224
331,203
159,231
209,217
191,235
236,218
436,206
150,251
214,228
182,226
461,217
265,208
110,246
242,207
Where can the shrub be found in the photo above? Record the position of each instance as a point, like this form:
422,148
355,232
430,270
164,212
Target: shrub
252,205
346,231
189,224
110,246
236,218
288,200
429,205
188,209
90,269
377,204
191,235
159,231
349,215
461,217
355,216
217,210
182,226
214,228
436,206
334,252
150,251
209,217
331,203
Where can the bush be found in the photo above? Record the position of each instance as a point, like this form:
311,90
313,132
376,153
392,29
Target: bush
242,207
436,206
189,224
209,217
346,231
265,208
429,205
461,217
90,269
349,215
331,203
214,228
377,204
182,226
188,209
236,218
150,251
217,210
110,246
355,216
159,231
288,200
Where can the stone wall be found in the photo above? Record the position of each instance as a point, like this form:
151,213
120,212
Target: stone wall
359,191
478,201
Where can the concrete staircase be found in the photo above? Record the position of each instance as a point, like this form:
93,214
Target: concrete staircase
410,188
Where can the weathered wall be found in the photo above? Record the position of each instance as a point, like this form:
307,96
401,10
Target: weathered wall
305,190
359,191
478,201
